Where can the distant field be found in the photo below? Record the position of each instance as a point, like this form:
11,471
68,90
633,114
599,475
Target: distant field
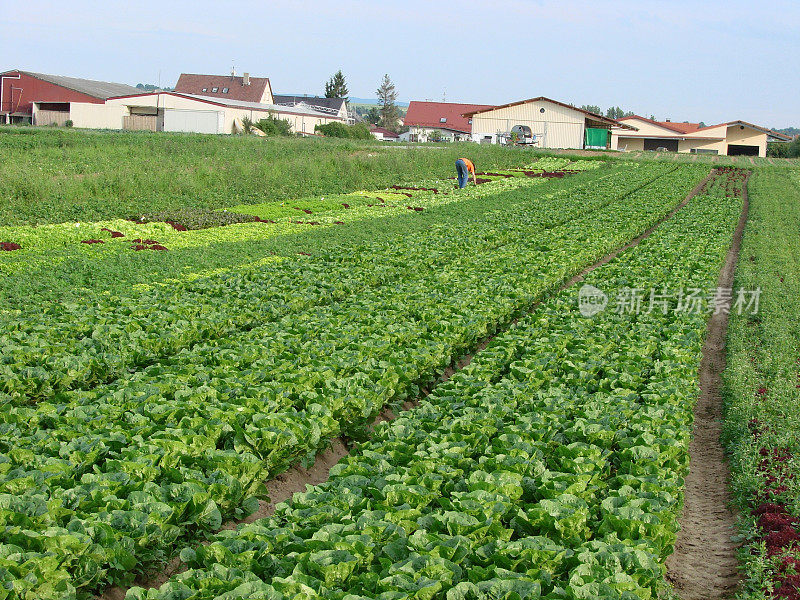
52,176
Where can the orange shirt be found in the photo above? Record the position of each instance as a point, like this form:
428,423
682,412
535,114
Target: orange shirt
470,166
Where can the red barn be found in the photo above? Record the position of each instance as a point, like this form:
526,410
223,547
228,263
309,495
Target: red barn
20,89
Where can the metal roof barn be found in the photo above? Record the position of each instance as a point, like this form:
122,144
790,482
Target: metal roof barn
20,89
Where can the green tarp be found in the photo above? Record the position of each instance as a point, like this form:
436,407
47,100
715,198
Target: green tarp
596,138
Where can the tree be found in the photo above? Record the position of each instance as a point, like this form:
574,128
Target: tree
387,95
373,115
615,112
784,149
592,109
336,86
149,87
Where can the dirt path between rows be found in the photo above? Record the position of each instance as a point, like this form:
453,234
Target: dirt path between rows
284,485
704,565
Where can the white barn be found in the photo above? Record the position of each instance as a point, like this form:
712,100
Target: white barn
552,124
175,111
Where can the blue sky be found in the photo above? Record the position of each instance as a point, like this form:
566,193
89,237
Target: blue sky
706,61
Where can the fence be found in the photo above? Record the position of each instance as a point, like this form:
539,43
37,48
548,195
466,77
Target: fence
52,117
140,122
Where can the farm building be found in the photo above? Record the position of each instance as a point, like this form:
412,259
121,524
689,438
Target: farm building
443,121
334,106
541,122
383,134
731,139
173,111
227,87
41,99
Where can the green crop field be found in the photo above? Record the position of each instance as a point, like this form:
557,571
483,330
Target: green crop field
185,319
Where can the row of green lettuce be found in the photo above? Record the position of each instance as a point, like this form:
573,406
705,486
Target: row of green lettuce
762,390
550,467
44,239
54,266
76,345
101,483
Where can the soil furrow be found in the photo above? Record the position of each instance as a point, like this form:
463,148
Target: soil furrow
704,565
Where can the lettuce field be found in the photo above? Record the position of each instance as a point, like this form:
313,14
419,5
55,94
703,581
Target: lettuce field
163,361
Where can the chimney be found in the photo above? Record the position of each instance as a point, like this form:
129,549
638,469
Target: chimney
246,79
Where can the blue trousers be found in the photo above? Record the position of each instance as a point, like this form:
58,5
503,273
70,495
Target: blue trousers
463,174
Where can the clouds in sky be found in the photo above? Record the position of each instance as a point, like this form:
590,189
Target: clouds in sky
711,61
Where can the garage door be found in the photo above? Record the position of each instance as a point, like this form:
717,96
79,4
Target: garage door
670,145
740,150
192,121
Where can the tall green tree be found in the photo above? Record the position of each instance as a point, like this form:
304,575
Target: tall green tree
387,95
615,112
336,87
373,115
592,108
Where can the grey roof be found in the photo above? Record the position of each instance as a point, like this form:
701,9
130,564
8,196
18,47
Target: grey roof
332,103
97,89
301,110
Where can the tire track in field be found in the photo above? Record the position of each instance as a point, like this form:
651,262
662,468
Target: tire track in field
704,565
285,485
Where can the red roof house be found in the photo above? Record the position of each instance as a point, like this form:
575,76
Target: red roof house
230,87
381,133
448,117
676,127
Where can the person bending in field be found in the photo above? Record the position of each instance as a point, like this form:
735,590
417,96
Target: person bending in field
464,167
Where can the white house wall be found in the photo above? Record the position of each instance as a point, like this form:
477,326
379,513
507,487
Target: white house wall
648,129
558,126
96,116
746,136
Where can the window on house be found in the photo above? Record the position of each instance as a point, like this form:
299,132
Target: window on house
443,120
214,89
205,89
224,90
470,121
